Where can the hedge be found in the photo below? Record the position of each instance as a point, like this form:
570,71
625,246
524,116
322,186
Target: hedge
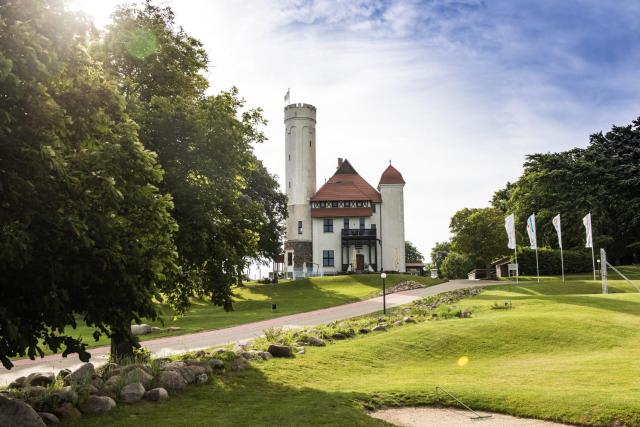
575,261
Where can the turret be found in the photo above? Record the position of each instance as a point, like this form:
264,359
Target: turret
391,189
300,177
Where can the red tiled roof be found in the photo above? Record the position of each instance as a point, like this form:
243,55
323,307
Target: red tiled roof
346,184
340,212
391,175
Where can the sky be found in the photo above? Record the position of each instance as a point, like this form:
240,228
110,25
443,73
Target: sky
454,92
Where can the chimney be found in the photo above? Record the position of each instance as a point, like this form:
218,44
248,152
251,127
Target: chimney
339,162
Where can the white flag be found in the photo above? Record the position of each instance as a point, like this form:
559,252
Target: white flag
287,96
510,226
531,229
587,227
556,224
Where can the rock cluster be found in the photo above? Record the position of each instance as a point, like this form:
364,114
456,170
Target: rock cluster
144,329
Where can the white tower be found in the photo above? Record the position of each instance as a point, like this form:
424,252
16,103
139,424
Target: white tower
300,176
391,189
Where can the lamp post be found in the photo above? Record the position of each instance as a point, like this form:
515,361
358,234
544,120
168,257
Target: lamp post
384,294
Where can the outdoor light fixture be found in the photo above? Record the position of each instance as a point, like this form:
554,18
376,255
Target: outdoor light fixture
384,294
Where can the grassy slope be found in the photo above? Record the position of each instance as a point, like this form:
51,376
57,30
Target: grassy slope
253,302
566,354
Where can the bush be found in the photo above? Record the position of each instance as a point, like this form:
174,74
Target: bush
575,261
457,266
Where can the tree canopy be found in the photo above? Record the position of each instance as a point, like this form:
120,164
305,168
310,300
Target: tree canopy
479,233
412,254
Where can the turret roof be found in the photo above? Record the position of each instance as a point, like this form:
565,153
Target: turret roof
346,184
391,175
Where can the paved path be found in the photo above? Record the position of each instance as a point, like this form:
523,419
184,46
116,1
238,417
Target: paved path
168,346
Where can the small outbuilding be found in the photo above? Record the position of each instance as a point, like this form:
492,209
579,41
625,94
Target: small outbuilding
415,268
502,266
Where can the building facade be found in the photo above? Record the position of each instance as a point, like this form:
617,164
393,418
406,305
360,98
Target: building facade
345,226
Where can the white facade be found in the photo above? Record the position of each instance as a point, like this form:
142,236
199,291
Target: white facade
392,230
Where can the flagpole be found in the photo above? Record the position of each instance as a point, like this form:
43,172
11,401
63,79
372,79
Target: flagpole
562,263
593,260
515,251
537,267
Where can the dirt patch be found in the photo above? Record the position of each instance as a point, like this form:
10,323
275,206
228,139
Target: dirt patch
446,417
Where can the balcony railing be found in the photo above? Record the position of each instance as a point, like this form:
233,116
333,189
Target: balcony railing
359,232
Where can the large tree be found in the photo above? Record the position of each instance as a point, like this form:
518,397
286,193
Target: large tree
479,233
228,207
84,229
412,254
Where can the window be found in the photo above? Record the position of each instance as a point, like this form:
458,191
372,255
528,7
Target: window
346,223
361,223
373,226
299,227
359,204
289,258
289,156
347,204
328,225
334,204
289,184
327,259
373,205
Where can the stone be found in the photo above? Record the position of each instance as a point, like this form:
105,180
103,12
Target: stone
266,355
112,382
216,364
63,373
219,351
138,375
364,330
97,405
91,389
339,336
280,350
67,411
41,379
173,365
128,368
202,378
300,350
315,341
84,374
66,394
208,369
156,394
142,329
16,413
132,393
397,323
49,418
155,330
109,370
201,353
18,382
245,354
186,373
409,319
35,391
239,364
173,329
97,383
171,381
380,327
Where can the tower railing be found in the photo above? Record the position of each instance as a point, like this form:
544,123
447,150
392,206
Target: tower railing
359,232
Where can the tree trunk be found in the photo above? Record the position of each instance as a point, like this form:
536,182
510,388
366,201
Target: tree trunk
122,342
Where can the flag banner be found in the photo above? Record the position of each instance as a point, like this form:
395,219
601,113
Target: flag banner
587,228
558,227
531,229
510,226
287,96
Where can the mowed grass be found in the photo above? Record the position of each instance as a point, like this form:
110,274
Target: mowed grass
253,303
567,355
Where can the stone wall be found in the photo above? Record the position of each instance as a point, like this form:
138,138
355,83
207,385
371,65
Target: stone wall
302,252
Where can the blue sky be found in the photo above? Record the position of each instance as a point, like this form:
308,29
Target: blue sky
455,93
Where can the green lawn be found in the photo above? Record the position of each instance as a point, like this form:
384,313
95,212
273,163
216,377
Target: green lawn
253,302
567,354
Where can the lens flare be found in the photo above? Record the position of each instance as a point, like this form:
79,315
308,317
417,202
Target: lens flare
463,361
141,43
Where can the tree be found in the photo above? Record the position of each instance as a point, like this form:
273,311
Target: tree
84,229
457,266
412,254
228,207
479,233
439,252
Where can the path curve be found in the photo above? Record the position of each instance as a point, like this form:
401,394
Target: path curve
168,346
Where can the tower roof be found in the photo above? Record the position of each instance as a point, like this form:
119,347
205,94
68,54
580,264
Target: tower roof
346,184
391,175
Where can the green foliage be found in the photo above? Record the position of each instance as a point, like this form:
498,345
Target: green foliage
84,229
575,261
479,233
457,266
412,254
438,253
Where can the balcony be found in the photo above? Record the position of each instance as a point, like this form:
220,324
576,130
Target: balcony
359,233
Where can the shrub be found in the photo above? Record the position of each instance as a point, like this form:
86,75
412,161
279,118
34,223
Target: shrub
457,266
575,261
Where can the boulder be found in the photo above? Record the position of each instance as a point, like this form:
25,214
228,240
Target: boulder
97,405
339,336
280,350
155,330
67,411
97,383
265,355
187,374
83,375
397,323
315,341
173,329
171,381
35,391
132,393
156,394
138,375
113,382
18,382
41,379
409,319
380,327
63,373
239,364
201,353
173,365
142,329
202,378
202,363
364,330
48,418
217,363
16,413
245,354
66,394
109,370
91,389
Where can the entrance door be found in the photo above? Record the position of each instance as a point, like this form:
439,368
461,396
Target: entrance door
360,262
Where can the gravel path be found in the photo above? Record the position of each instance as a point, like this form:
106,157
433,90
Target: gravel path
162,347
444,417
